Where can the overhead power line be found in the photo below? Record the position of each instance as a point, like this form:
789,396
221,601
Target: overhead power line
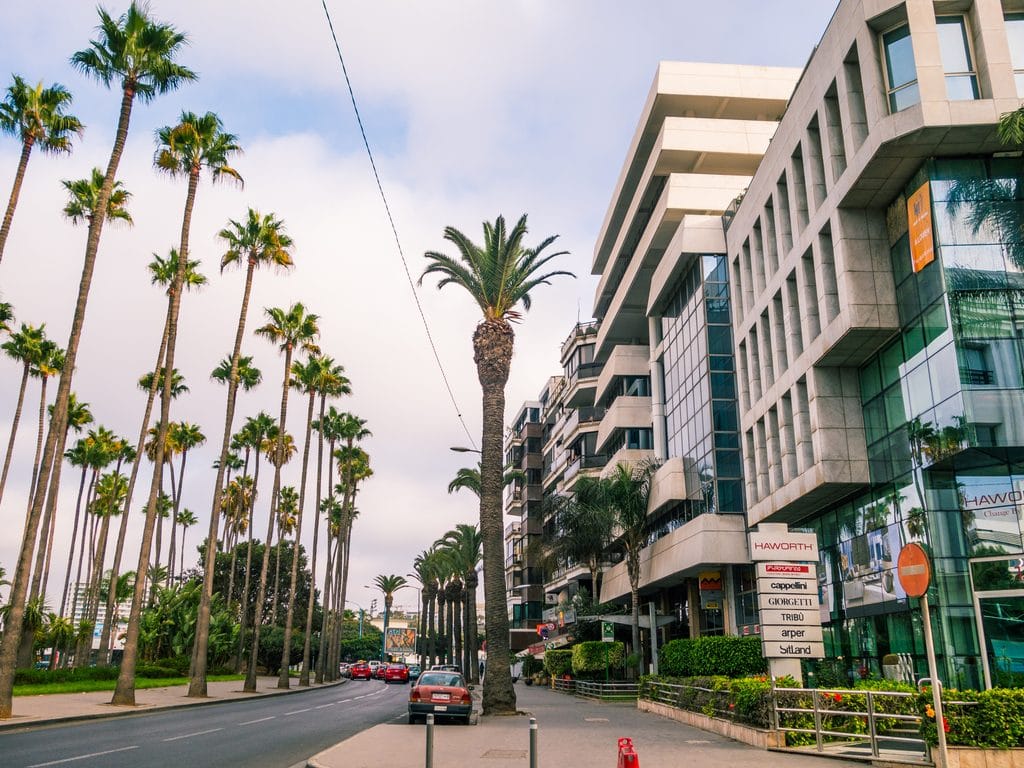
394,229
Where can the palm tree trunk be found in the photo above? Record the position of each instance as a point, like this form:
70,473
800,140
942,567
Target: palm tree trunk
250,676
197,681
469,667
14,431
12,203
321,657
43,560
457,631
283,680
431,628
244,601
122,531
93,595
124,694
86,525
307,641
19,589
634,592
174,515
39,438
281,536
492,348
71,550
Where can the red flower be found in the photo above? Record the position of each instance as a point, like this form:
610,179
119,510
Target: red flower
732,706
945,725
839,697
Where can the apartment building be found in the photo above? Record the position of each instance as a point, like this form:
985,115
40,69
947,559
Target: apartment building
810,312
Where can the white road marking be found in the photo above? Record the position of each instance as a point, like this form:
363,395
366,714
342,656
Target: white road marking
297,711
344,701
261,720
190,735
83,757
331,704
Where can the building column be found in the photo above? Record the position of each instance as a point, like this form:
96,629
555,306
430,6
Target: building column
659,430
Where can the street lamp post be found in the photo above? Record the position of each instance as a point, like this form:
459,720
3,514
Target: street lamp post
463,449
361,612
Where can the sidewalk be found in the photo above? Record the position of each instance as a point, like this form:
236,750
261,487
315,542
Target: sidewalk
571,732
56,707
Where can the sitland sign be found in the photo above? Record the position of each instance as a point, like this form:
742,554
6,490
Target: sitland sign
799,547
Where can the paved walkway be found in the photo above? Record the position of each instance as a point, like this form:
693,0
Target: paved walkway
571,732
32,710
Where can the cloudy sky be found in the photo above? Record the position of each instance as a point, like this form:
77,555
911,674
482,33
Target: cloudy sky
472,109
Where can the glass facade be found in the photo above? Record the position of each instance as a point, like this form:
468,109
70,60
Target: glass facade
943,408
701,417
1015,37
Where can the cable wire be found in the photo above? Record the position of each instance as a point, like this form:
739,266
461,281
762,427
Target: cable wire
394,229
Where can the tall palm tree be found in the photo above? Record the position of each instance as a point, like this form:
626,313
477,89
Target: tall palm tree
291,330
629,491
327,379
581,529
30,347
185,437
49,365
287,511
84,195
249,376
186,519
79,417
389,585
138,54
329,426
309,378
464,548
260,241
426,566
38,117
498,276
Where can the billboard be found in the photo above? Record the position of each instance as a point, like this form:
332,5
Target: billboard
400,641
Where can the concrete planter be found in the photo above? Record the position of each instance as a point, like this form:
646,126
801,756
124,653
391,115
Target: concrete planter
975,757
747,734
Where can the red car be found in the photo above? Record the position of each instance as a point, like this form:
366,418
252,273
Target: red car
361,671
379,671
396,673
442,694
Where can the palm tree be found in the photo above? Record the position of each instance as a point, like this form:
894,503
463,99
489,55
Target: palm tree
629,491
469,478
38,117
581,528
329,381
330,427
186,519
290,329
49,365
60,632
84,194
426,566
249,376
6,316
137,53
185,437
498,276
388,585
463,546
260,241
287,509
30,347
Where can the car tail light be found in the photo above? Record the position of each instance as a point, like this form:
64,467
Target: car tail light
414,694
466,698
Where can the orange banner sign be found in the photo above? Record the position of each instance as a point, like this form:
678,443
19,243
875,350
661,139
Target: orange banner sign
919,219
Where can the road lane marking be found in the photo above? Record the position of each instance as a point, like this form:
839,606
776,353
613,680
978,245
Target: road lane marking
344,701
83,757
261,720
331,704
297,711
189,735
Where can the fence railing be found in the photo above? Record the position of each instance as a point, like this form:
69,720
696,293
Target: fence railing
616,690
707,701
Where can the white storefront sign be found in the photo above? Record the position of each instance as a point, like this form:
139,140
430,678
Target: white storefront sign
788,616
791,650
788,602
788,633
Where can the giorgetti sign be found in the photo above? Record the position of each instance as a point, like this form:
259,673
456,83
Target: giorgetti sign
798,547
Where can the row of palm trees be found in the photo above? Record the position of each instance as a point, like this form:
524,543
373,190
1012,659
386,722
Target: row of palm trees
138,55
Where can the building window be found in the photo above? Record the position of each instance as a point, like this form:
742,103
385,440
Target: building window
961,79
900,69
1015,36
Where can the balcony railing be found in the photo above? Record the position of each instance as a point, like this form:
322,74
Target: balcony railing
579,331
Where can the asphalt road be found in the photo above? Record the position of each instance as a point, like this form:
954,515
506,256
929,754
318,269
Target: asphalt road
272,732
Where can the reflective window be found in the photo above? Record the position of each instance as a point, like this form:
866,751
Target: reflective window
961,80
1015,37
901,71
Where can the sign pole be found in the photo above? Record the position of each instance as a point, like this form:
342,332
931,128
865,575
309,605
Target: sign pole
929,647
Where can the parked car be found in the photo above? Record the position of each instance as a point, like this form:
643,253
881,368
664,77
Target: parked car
414,671
446,668
373,665
345,670
361,671
396,673
378,673
442,694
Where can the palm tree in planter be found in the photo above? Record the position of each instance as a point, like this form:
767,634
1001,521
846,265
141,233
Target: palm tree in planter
259,241
292,329
138,55
38,117
498,276
388,585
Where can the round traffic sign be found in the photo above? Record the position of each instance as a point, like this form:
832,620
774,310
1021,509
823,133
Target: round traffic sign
913,570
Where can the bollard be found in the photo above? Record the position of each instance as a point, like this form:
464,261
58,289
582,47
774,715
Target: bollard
628,758
430,741
533,742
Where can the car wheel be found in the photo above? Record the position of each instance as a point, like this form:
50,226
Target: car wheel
412,719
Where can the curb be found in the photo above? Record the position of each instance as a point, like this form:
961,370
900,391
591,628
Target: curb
54,721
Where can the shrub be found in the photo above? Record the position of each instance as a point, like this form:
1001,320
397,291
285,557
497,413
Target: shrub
558,662
153,672
44,676
592,658
993,719
703,656
179,664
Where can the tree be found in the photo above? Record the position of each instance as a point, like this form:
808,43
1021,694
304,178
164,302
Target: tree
388,585
629,491
84,196
498,276
186,519
185,437
289,329
260,241
138,53
38,118
581,528
463,548
249,376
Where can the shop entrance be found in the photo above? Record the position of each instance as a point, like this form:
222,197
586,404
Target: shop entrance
998,584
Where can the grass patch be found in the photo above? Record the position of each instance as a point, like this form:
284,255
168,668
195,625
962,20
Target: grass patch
85,686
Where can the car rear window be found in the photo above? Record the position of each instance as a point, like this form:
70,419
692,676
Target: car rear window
440,678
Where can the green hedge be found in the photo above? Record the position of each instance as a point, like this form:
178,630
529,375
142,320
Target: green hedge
746,700
726,655
992,719
558,662
590,659
80,674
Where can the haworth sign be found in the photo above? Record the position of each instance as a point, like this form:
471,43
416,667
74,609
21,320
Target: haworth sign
801,547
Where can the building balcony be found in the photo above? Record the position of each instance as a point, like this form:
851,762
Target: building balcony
586,418
580,332
625,412
583,466
625,360
513,529
629,456
583,385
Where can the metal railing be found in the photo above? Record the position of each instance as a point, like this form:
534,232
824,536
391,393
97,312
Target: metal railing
706,701
615,690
